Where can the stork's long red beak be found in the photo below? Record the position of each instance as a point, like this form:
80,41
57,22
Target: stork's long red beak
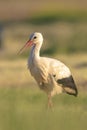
28,43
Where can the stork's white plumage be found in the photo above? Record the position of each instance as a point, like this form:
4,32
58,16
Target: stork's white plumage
51,75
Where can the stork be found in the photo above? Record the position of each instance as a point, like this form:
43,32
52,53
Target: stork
51,75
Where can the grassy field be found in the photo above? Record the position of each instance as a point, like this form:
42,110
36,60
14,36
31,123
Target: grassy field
64,27
25,108
23,105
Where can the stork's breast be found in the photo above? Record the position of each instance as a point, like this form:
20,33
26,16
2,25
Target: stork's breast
39,73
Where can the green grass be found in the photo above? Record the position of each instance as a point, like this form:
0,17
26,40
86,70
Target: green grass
25,108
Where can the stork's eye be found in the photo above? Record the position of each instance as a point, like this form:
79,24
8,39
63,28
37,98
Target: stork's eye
35,37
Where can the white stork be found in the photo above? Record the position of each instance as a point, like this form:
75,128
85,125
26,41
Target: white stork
51,75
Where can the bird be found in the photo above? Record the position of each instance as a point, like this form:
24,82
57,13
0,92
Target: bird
51,75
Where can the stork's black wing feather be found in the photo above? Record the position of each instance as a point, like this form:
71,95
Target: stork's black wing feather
68,85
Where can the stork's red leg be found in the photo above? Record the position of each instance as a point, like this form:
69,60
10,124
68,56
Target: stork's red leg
50,103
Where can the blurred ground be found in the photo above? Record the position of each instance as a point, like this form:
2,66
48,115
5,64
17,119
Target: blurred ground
21,9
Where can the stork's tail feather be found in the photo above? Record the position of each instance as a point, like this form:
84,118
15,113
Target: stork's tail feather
68,85
74,93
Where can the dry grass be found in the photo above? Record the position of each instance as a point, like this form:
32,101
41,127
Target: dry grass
14,73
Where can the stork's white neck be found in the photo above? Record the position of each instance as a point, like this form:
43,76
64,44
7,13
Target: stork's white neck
35,52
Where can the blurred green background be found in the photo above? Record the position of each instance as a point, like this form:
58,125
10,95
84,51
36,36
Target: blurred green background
63,24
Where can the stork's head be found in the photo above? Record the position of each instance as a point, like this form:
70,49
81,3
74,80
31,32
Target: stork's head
35,39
